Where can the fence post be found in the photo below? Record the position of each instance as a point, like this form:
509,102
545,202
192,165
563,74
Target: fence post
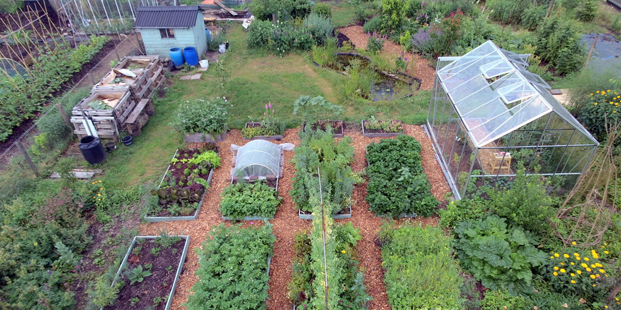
90,74
28,159
63,114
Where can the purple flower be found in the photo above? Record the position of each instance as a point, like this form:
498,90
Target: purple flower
272,111
49,272
264,114
270,105
251,223
422,4
406,59
266,106
426,16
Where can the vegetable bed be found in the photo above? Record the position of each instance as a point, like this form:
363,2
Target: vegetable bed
234,268
249,201
397,183
420,272
148,275
183,187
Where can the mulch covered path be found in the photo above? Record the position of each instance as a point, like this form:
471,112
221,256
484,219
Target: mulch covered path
422,70
287,224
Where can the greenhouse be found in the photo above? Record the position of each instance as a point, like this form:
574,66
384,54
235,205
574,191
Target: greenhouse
488,116
258,159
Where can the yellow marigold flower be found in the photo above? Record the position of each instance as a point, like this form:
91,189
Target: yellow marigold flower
609,90
611,102
602,271
562,264
599,265
578,272
597,275
555,268
594,285
343,252
98,194
588,269
592,276
552,257
574,243
555,273
565,255
573,282
591,94
562,270
584,265
576,254
101,189
595,103
556,255
577,257
614,111
593,266
572,263
586,259
572,274
597,92
606,252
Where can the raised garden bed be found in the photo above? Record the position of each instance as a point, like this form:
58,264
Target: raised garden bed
204,137
234,267
181,192
150,263
381,129
258,124
246,201
343,214
337,126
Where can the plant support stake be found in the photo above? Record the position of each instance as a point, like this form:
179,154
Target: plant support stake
323,226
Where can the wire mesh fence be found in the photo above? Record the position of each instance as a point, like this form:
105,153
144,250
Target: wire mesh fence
40,146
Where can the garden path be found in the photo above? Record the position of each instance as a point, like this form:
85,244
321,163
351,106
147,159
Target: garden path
422,69
287,224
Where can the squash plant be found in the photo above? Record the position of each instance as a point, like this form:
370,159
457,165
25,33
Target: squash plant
397,183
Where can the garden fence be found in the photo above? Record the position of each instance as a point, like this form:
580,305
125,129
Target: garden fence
49,138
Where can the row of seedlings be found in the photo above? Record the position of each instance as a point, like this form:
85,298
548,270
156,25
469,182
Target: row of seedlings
326,272
183,187
253,193
121,100
234,266
398,186
147,277
319,150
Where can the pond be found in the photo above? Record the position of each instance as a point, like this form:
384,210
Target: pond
385,86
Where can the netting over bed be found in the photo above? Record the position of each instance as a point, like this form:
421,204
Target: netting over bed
489,115
258,158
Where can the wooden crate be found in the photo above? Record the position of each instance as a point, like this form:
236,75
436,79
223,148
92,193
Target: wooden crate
105,127
124,105
147,67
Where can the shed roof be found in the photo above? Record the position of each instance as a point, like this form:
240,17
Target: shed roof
166,16
494,94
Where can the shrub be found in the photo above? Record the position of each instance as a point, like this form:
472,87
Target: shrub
375,43
533,16
393,15
326,55
462,210
249,199
559,44
319,27
603,105
397,183
217,39
244,283
259,34
498,256
315,109
420,272
525,203
508,11
202,116
322,9
372,25
587,11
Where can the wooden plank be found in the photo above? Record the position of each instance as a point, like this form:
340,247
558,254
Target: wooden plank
132,118
225,8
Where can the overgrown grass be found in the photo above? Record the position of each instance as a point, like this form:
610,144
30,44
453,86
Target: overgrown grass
342,13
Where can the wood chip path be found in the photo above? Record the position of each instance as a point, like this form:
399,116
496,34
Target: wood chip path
422,71
286,222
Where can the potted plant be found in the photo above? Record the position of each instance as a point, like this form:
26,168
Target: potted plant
381,128
202,120
316,111
269,128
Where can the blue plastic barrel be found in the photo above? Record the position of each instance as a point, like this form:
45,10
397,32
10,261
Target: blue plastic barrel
176,56
208,35
191,57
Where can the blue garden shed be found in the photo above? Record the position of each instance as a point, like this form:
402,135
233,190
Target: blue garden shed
165,27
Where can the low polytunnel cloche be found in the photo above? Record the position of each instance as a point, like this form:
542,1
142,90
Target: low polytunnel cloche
258,159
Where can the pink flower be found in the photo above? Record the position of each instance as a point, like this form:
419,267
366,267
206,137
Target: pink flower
266,106
264,113
422,4
272,111
251,223
270,105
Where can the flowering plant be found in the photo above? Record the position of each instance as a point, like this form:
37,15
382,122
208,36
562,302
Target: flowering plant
269,125
202,116
575,271
402,62
375,42
603,105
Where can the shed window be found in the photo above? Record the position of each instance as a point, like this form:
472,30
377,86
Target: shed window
167,33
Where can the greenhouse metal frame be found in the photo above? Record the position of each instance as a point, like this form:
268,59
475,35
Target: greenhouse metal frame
489,117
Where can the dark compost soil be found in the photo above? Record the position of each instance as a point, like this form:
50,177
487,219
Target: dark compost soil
158,284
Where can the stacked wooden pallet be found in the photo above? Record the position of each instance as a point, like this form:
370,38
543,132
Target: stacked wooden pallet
121,100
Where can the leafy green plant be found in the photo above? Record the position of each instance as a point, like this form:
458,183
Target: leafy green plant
138,274
501,299
420,272
587,11
602,105
383,125
499,256
322,9
319,27
249,199
559,44
269,125
461,210
133,301
372,25
526,203
397,183
202,116
156,251
393,15
157,301
315,109
375,43
232,269
167,241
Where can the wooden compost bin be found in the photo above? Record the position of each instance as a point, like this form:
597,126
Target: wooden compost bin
149,75
107,121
